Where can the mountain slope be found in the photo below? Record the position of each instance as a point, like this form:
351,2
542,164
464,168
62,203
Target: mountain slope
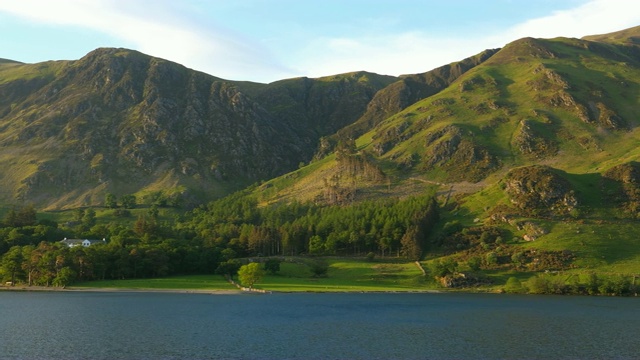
123,122
117,115
410,89
319,107
534,156
568,103
630,36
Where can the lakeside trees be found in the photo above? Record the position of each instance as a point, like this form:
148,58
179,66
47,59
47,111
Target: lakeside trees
211,236
215,238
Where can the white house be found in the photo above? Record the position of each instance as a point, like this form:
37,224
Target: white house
86,242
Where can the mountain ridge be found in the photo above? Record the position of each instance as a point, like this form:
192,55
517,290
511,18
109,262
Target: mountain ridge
72,131
535,101
90,126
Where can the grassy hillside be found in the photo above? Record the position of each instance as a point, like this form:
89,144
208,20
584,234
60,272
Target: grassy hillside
537,147
566,103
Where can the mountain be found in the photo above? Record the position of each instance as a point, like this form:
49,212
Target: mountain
520,161
533,154
408,90
314,108
570,104
118,121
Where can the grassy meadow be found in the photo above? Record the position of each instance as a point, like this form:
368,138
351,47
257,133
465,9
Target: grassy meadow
348,275
344,275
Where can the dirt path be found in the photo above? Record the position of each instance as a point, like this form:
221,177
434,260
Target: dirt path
459,187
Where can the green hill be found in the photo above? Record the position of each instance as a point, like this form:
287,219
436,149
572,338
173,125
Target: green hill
565,103
538,145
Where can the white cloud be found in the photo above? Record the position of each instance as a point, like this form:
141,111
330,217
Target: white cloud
592,18
162,28
392,55
158,33
417,52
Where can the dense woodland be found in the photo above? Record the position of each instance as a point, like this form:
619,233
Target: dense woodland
208,239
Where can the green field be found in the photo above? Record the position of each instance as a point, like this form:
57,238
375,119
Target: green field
343,275
348,275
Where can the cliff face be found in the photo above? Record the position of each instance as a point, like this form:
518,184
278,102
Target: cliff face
124,122
120,119
623,182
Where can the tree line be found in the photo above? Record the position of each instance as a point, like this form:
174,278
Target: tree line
208,239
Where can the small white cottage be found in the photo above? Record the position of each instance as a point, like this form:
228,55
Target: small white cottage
82,242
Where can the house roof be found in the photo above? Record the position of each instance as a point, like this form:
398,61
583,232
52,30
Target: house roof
73,242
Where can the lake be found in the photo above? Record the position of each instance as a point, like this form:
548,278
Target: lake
129,325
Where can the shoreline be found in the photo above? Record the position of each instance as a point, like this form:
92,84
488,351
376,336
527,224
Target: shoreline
117,290
198,291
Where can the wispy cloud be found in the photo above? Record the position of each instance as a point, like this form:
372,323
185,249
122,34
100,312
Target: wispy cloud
165,28
158,32
406,53
592,18
415,52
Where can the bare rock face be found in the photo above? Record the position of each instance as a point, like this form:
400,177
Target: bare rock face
627,173
539,190
626,178
453,150
119,119
533,144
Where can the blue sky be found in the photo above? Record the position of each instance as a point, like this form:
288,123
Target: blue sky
268,40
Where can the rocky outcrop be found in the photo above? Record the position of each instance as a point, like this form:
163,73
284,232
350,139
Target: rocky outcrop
532,230
462,280
606,117
627,173
539,190
532,143
626,186
388,138
453,150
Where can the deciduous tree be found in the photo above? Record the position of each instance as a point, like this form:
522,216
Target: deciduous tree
250,274
272,266
111,201
128,201
11,264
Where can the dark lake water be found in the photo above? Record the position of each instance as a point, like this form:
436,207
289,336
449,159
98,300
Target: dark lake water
88,325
